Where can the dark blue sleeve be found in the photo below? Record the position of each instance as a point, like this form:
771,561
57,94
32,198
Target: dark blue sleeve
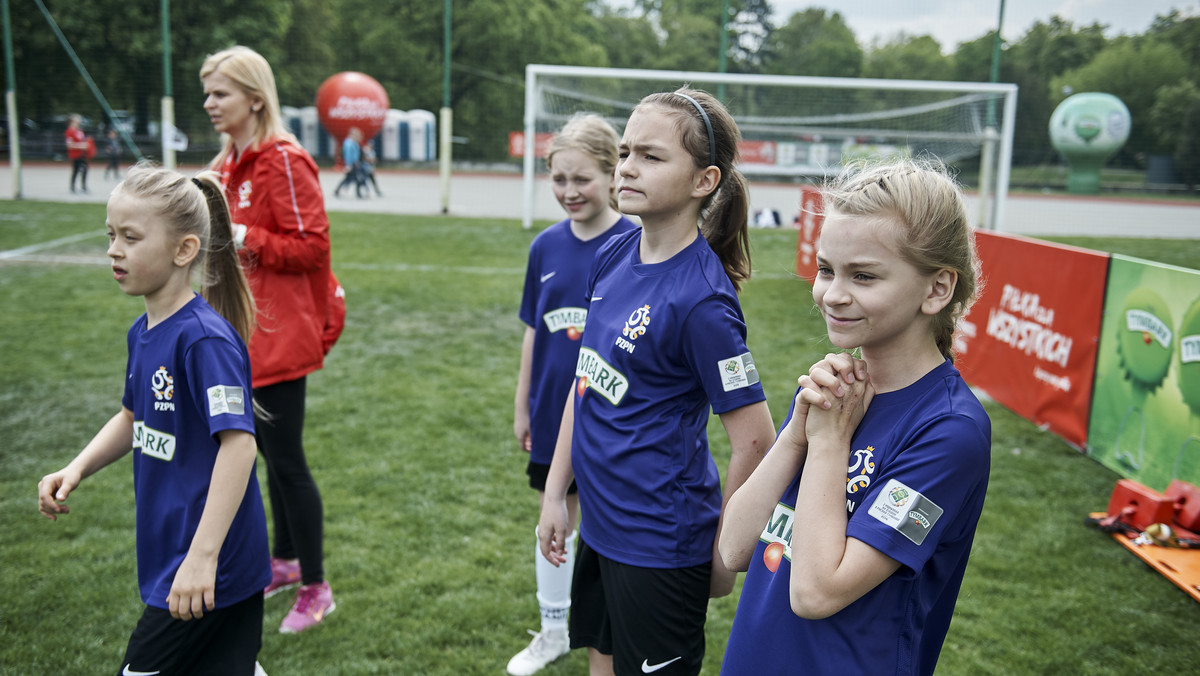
714,344
219,383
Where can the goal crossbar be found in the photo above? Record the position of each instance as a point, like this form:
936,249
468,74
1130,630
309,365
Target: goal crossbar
901,125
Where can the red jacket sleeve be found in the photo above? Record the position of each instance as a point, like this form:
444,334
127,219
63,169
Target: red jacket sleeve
297,239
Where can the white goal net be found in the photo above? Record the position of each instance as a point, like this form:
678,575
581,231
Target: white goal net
799,129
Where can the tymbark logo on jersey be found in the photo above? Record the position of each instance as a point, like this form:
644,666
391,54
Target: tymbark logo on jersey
596,374
572,319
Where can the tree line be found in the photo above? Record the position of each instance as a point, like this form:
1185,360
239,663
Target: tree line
400,43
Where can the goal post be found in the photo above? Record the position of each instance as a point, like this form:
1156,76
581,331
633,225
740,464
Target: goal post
800,128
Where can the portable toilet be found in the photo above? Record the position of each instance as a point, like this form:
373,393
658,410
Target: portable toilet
394,137
309,126
326,145
422,131
291,119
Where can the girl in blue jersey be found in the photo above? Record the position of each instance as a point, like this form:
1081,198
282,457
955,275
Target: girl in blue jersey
857,526
186,412
665,342
581,159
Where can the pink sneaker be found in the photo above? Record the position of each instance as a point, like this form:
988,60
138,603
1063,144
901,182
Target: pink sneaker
313,603
285,574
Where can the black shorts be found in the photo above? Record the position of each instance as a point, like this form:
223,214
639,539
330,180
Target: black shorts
224,642
537,477
650,620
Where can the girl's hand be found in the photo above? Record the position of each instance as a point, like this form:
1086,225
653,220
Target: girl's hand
194,588
552,531
793,435
840,417
834,372
53,490
521,429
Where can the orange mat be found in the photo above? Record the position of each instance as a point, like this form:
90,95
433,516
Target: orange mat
1181,566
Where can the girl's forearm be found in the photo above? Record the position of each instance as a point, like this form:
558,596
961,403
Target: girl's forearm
231,475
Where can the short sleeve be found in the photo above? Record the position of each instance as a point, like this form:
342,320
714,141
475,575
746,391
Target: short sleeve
220,385
529,298
714,344
931,492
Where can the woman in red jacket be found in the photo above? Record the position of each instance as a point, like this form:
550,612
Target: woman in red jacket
279,220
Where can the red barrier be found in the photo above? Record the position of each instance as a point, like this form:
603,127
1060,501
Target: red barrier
1030,341
809,225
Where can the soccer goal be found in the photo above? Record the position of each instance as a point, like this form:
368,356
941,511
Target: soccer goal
799,128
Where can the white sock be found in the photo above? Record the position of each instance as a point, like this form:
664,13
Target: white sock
554,587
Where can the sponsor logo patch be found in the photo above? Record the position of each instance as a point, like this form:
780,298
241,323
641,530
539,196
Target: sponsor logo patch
226,399
906,510
737,372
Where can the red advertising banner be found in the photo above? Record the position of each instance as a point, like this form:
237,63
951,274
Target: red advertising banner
809,225
1030,341
516,143
757,152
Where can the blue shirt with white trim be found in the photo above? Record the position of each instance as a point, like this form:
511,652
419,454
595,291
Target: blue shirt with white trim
188,378
664,343
915,485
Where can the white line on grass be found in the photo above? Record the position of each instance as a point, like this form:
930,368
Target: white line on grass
20,253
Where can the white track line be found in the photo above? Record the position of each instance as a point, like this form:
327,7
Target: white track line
19,253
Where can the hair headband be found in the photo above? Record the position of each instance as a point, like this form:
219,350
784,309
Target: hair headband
712,143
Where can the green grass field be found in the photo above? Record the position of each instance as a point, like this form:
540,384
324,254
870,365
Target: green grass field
429,521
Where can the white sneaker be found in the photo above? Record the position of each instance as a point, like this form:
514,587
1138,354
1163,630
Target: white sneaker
545,647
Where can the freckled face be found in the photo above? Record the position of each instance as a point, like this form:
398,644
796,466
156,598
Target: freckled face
580,186
869,295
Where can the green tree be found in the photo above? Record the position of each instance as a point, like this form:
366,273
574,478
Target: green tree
307,51
972,61
814,42
751,30
629,41
1133,71
490,51
1044,51
1176,119
1183,33
119,43
908,57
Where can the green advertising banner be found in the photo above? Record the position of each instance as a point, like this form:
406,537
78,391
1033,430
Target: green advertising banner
1145,420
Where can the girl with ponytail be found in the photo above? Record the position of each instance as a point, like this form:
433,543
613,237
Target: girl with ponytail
665,342
187,415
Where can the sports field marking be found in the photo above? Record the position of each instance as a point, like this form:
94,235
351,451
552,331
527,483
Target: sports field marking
19,253
28,255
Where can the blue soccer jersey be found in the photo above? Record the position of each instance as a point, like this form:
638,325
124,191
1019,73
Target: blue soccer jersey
915,487
188,378
555,305
664,343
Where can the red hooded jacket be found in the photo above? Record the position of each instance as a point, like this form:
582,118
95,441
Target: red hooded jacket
273,190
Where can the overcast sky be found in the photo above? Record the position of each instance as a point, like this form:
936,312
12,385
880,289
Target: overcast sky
953,21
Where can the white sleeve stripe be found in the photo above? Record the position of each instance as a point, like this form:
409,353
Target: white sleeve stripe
287,163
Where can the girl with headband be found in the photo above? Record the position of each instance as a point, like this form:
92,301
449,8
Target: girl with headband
665,342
